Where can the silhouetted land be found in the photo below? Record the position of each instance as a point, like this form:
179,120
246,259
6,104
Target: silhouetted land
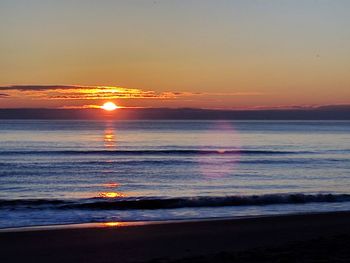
321,113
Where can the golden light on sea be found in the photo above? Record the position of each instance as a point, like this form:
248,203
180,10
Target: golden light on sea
111,195
112,224
111,184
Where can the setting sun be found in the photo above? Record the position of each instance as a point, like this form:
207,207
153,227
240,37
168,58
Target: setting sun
109,106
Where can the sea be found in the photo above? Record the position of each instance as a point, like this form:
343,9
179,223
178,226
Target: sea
55,172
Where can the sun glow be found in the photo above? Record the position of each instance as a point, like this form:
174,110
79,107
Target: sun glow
109,106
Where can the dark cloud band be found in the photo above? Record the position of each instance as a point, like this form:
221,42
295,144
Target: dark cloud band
3,95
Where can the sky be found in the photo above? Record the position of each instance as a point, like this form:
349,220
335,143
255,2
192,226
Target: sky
216,54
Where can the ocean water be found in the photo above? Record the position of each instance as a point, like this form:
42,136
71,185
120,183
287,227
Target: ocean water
63,172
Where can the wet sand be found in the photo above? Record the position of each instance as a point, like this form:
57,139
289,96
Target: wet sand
292,238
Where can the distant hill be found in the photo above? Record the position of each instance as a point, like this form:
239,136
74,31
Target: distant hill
321,113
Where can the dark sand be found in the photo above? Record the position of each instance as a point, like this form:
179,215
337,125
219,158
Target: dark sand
294,238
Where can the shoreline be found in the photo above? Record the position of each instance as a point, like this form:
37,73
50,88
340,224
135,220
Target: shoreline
174,241
114,224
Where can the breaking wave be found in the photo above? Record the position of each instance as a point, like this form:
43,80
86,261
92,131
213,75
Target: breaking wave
130,203
153,152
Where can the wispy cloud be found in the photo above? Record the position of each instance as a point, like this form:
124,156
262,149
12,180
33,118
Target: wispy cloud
80,92
3,95
77,92
91,106
337,106
37,87
231,93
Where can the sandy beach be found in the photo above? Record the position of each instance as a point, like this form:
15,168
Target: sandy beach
292,238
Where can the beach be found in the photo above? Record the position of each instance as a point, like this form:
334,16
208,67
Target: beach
322,237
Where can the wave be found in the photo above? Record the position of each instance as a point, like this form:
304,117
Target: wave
130,203
153,152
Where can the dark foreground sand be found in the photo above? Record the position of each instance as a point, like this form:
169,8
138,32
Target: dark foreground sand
295,238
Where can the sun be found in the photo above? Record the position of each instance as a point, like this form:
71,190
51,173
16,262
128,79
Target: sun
109,106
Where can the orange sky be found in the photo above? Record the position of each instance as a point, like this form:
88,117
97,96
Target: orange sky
206,54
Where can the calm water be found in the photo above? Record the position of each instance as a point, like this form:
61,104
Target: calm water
54,172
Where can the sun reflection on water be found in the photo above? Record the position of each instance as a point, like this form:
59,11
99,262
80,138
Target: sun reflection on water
112,224
109,138
111,185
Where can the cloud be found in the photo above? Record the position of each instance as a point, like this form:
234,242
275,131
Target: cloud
91,106
339,106
80,92
37,87
3,95
336,106
232,93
